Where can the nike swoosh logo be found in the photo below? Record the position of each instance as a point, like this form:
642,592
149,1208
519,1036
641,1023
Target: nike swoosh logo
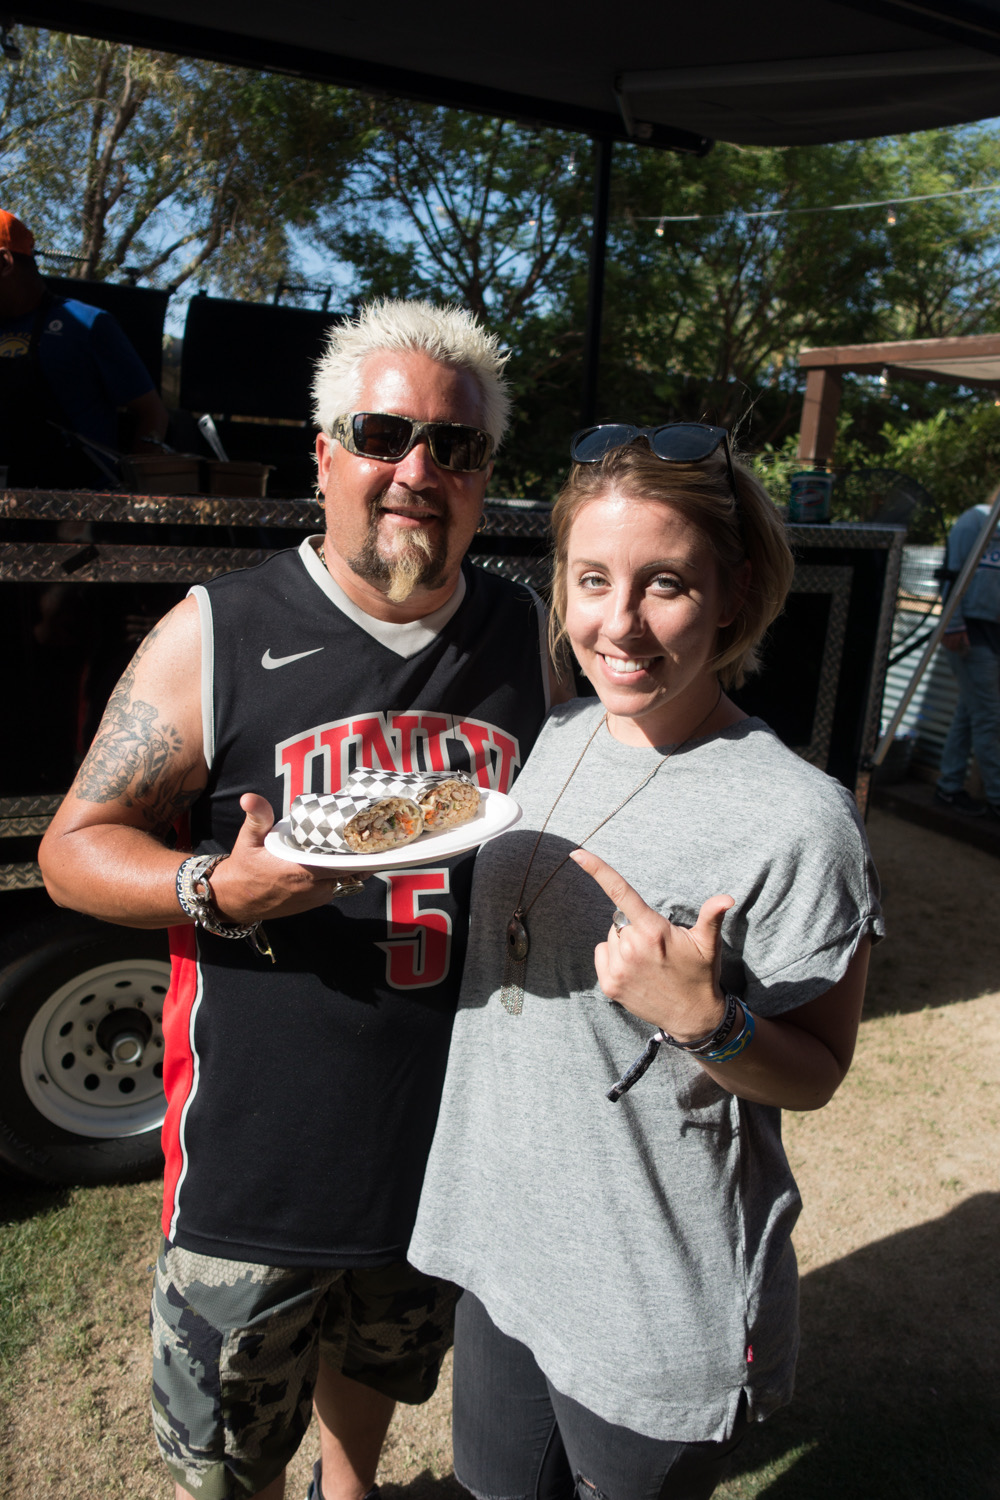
269,662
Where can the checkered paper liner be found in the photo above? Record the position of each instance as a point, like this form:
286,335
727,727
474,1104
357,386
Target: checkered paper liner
316,822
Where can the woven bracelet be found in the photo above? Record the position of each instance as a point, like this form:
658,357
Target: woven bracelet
703,1044
736,1046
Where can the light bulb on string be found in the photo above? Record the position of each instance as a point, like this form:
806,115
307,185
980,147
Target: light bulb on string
890,217
659,230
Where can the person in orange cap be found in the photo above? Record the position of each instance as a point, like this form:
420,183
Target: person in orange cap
66,369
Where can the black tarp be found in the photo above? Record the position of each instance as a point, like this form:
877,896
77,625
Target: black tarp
774,72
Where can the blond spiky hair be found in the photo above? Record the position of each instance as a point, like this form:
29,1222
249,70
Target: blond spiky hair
448,334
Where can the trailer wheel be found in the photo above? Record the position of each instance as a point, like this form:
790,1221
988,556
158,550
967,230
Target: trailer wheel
81,1052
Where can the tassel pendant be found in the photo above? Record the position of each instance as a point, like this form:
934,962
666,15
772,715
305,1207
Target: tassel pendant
517,937
512,992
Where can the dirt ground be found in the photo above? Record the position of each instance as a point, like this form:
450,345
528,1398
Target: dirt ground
897,1245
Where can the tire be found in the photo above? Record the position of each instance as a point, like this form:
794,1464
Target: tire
81,1051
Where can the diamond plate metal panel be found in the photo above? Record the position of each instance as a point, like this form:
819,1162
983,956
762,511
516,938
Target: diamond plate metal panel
517,518
16,828
836,582
536,572
880,659
847,535
500,517
26,877
198,510
29,807
49,562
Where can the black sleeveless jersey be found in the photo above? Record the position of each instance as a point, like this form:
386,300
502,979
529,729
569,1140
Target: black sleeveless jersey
302,1096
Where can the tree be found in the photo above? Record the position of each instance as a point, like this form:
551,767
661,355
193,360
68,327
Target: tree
719,269
702,319
461,206
708,314
169,169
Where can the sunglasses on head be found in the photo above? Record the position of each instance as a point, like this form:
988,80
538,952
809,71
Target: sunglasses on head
674,442
382,435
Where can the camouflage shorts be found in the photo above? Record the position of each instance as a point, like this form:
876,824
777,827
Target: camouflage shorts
236,1349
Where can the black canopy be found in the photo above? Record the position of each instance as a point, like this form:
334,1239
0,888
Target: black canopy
755,72
660,73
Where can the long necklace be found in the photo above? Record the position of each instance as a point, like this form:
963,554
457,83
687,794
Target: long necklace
518,941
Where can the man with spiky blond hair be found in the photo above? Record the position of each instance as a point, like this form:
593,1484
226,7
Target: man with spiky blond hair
303,1067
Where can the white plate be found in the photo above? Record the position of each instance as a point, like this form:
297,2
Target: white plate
497,812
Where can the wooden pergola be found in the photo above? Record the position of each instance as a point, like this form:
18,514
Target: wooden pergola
973,360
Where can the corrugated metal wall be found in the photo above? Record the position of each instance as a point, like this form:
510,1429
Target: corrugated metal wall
930,711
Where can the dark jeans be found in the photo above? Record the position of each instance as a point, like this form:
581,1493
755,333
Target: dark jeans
518,1438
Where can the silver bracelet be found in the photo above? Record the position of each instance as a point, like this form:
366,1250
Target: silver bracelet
197,903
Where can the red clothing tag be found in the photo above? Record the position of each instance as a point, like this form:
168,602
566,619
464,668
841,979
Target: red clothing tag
749,1354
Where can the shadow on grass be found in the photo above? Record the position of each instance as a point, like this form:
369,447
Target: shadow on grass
898,1374
424,1487
20,1200
931,886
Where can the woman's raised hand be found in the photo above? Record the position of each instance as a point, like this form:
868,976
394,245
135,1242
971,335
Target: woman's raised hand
664,974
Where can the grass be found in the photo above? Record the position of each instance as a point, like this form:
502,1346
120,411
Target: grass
73,1284
900,1359
898,1371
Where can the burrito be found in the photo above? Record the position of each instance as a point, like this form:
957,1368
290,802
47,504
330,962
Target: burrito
450,802
375,811
385,824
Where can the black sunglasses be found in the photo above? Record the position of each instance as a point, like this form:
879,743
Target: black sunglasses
382,435
674,442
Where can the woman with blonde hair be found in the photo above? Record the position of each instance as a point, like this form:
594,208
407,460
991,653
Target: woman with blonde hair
668,951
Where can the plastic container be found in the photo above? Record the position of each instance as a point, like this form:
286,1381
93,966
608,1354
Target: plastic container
162,473
237,479
809,498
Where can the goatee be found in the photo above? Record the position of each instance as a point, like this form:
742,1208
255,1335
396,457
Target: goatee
418,558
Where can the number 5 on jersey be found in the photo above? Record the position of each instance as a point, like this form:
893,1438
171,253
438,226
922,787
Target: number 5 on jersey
418,943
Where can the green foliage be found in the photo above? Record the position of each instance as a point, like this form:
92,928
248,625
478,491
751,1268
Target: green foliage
163,166
703,320
462,207
955,454
180,170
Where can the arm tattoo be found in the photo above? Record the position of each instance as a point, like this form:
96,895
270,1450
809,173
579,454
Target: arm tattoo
134,762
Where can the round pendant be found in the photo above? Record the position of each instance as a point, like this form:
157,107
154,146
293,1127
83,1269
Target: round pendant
517,938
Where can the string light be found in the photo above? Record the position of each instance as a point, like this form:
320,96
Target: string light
659,229
827,208
890,217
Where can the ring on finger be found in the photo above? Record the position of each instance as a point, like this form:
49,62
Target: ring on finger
619,920
348,887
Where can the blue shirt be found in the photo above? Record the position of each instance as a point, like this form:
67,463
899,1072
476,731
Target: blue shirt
87,360
981,600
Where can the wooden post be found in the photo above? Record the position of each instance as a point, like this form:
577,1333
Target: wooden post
595,293
818,427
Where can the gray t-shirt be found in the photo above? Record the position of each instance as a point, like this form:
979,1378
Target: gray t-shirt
641,1249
